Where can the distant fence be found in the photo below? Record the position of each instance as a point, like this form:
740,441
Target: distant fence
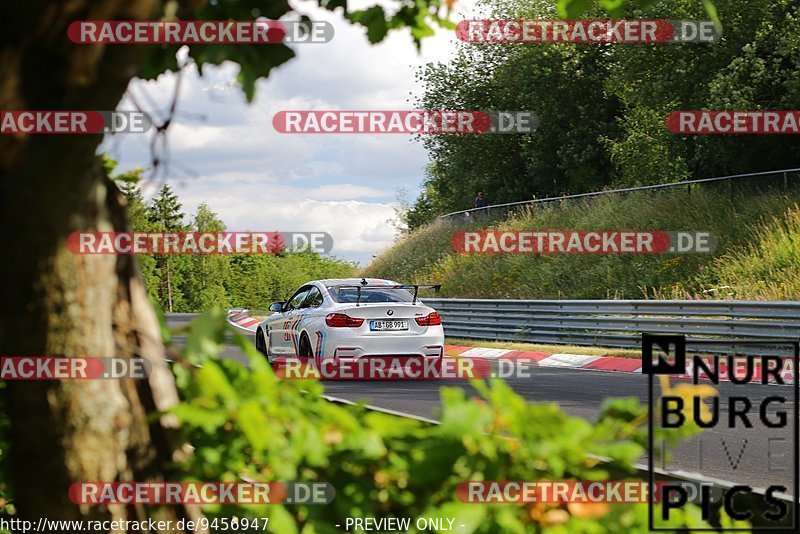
619,323
781,179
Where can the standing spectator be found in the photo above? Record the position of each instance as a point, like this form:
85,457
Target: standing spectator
480,201
480,205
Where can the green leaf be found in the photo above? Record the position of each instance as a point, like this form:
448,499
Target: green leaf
253,423
467,514
572,9
213,383
615,7
711,9
208,420
280,520
333,4
206,336
461,416
374,19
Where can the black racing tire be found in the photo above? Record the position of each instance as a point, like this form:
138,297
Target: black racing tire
261,344
304,347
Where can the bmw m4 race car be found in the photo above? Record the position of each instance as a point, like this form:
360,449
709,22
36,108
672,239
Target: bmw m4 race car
352,318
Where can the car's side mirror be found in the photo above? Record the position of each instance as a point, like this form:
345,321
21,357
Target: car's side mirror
276,307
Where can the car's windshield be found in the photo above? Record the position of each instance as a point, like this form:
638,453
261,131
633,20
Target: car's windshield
370,295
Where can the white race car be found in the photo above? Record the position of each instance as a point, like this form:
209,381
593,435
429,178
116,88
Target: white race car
352,318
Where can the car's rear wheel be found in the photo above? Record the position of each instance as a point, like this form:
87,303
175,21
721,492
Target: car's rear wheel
304,349
261,344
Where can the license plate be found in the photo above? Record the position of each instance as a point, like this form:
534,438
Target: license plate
388,325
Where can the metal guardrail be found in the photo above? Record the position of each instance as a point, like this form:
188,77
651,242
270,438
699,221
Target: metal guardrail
781,178
620,323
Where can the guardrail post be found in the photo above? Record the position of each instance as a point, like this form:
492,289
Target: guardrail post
785,181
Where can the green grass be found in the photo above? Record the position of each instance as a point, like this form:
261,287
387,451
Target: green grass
757,255
767,268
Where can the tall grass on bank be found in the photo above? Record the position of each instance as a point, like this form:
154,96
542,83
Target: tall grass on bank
741,222
766,268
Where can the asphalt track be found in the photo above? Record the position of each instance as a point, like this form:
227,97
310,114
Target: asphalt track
757,456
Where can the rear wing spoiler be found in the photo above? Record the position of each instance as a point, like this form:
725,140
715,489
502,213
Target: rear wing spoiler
415,287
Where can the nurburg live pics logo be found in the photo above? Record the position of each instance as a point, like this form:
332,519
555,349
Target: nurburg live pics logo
752,417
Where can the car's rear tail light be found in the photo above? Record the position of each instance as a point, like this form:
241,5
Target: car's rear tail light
341,320
432,319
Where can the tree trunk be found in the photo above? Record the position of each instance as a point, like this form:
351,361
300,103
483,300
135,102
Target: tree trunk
58,303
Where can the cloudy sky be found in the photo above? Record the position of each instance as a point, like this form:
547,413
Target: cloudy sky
227,154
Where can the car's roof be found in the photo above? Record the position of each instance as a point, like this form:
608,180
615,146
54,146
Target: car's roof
331,282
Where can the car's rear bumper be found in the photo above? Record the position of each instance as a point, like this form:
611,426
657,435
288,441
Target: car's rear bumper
430,344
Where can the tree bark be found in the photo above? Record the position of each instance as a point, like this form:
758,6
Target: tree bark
57,303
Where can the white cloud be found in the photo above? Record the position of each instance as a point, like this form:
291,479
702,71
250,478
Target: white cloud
258,179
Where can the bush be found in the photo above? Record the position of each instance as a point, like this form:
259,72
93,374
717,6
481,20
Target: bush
246,424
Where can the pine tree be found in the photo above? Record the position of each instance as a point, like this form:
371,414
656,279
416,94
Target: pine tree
165,214
208,276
